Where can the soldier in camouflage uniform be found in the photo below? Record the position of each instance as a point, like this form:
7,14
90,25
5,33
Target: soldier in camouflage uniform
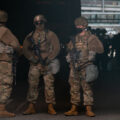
8,43
46,44
86,46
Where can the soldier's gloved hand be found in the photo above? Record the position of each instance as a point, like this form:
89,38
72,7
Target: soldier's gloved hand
9,49
68,59
41,66
34,59
78,46
91,55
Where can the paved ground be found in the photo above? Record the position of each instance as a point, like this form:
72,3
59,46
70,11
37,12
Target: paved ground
103,115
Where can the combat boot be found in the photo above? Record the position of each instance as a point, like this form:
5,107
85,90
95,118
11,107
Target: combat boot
51,109
4,112
89,111
30,109
72,112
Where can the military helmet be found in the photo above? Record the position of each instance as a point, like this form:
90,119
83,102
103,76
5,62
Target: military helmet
3,16
81,21
39,18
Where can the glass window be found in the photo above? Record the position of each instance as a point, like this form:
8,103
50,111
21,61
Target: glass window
102,13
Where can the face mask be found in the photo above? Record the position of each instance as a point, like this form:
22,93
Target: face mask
79,30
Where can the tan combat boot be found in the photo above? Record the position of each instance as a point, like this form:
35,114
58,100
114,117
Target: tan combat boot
72,112
51,109
30,109
89,111
4,112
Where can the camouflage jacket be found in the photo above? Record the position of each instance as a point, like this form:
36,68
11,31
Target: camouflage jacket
84,44
49,45
8,43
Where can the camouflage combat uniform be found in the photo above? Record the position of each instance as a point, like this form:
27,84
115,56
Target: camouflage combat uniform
49,47
8,43
82,49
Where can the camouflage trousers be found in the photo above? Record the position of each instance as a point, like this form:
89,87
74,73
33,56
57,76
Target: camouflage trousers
34,75
6,81
77,81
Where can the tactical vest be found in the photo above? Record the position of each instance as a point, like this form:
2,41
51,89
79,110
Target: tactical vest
82,47
40,39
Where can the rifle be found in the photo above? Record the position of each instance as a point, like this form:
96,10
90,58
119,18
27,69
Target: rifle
36,49
75,57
